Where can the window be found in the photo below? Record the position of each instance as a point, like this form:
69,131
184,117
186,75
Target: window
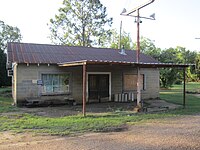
55,83
130,82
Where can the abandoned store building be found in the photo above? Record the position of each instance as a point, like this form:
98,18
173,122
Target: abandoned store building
55,73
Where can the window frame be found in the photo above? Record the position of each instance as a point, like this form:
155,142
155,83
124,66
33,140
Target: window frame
133,88
56,92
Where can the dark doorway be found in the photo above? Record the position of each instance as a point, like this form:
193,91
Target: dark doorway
98,87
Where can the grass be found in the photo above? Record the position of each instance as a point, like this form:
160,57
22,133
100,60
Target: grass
6,100
175,95
113,121
72,124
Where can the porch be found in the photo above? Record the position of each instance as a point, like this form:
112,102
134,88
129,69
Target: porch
140,84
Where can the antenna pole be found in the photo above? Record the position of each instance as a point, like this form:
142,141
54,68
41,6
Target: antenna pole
138,36
120,38
137,9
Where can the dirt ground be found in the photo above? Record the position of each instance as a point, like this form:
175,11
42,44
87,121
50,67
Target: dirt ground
178,133
67,110
181,133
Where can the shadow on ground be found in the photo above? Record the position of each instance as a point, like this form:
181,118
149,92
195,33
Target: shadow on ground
68,110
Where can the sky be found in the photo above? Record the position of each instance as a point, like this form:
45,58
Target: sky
177,21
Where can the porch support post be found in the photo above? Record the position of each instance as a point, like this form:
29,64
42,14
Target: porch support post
84,89
184,78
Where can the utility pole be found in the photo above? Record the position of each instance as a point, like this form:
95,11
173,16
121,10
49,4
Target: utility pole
152,17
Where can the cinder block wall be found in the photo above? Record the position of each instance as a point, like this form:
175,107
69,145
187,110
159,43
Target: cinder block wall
152,76
152,85
25,85
27,76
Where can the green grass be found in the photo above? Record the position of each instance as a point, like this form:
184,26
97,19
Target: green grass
72,124
92,122
6,100
175,95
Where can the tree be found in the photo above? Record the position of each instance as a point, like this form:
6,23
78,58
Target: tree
148,47
169,76
188,57
80,22
125,40
7,34
178,55
197,63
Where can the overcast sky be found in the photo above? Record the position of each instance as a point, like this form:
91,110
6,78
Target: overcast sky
177,21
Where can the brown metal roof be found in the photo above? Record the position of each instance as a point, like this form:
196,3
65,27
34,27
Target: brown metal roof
73,55
58,54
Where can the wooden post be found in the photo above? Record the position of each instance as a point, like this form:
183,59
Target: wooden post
138,89
138,61
138,37
84,89
184,87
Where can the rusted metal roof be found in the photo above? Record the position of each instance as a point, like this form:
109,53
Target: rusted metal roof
59,54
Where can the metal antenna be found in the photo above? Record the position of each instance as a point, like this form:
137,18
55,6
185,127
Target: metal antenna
120,34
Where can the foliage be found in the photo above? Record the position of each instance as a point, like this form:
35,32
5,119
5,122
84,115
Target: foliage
167,77
148,47
4,80
125,40
197,66
178,55
80,22
7,34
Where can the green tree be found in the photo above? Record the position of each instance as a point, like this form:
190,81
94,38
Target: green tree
80,22
7,34
125,40
169,76
146,44
148,47
197,65
188,57
178,55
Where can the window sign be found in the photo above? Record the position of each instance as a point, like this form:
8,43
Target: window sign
39,82
55,83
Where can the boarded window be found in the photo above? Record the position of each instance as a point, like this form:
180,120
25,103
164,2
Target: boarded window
130,82
55,83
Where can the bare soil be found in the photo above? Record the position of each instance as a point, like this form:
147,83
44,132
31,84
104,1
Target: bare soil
178,133
181,133
67,110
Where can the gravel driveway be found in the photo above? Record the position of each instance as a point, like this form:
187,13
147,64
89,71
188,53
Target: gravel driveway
182,133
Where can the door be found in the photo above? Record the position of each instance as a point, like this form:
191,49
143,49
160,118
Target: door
98,87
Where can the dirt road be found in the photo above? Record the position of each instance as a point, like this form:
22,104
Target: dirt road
175,133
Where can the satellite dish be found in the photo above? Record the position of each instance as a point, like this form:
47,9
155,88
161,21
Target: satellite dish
152,16
123,11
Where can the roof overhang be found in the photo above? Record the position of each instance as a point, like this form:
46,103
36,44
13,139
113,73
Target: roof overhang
73,63
140,64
